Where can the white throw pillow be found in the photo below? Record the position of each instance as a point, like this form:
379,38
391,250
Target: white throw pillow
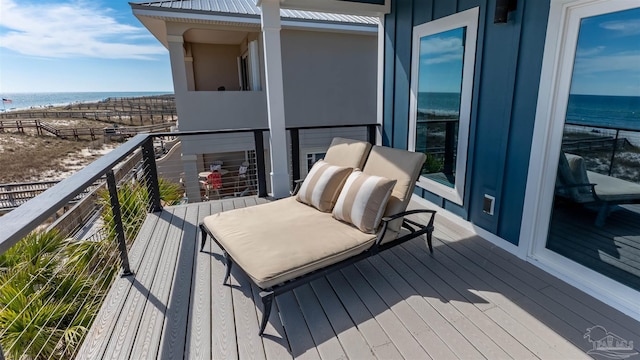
322,185
363,200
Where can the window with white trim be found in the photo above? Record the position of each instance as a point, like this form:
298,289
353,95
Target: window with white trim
441,88
312,158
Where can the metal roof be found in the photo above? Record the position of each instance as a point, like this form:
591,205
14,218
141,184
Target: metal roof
249,8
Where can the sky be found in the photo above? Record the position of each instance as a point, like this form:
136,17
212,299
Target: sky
441,62
608,55
78,46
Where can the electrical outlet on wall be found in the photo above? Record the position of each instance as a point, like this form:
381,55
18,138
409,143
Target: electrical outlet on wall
488,204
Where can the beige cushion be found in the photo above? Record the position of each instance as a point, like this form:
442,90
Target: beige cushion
363,200
609,188
402,166
578,172
347,152
322,185
284,239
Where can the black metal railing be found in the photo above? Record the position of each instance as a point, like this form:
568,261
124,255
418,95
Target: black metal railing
597,138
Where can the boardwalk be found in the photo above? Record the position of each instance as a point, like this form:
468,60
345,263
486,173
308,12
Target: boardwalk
469,300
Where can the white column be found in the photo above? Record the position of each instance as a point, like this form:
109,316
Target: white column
190,179
275,98
178,68
180,73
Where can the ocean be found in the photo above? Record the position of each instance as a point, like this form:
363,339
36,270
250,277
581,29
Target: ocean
37,100
618,112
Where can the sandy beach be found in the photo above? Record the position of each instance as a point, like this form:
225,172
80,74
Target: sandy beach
31,155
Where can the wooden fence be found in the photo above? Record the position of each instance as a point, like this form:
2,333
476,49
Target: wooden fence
122,131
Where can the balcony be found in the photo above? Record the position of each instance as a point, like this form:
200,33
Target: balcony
469,299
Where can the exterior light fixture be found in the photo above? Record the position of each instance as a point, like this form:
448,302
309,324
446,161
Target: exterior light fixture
503,8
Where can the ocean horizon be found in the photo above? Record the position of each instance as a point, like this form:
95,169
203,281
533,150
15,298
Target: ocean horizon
34,100
607,111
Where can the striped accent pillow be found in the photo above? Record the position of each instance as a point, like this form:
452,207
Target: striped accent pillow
363,200
322,185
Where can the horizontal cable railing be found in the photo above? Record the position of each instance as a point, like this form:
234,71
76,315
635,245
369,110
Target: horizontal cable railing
612,150
61,250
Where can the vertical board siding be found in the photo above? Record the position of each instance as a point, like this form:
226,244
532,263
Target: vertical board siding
482,20
500,56
404,29
422,12
389,76
503,103
443,8
523,117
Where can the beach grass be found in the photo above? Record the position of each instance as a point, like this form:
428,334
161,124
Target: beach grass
26,157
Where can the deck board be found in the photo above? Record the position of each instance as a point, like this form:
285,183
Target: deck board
371,331
327,343
352,341
391,324
146,341
469,300
612,249
198,343
129,320
103,326
174,331
516,297
300,339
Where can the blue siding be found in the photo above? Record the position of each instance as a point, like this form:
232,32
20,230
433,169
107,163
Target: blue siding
523,114
500,56
404,28
389,77
508,63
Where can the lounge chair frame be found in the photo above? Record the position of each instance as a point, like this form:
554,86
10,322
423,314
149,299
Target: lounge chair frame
268,295
603,206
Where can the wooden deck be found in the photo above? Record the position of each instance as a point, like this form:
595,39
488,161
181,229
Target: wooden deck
612,250
469,300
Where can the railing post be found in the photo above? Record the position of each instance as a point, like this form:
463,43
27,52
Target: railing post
117,219
260,164
613,152
371,134
449,147
151,175
295,154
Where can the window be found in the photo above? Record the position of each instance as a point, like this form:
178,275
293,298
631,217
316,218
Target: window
312,158
441,87
588,65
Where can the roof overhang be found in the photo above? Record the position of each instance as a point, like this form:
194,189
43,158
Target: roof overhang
155,19
351,7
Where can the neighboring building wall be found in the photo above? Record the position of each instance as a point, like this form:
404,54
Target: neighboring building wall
507,74
329,78
215,66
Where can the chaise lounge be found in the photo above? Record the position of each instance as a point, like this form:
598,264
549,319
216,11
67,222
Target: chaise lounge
340,215
577,184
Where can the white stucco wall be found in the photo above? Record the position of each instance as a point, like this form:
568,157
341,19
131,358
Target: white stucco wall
215,66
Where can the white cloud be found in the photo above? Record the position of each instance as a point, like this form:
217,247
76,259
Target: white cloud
623,61
623,27
74,29
589,51
441,50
